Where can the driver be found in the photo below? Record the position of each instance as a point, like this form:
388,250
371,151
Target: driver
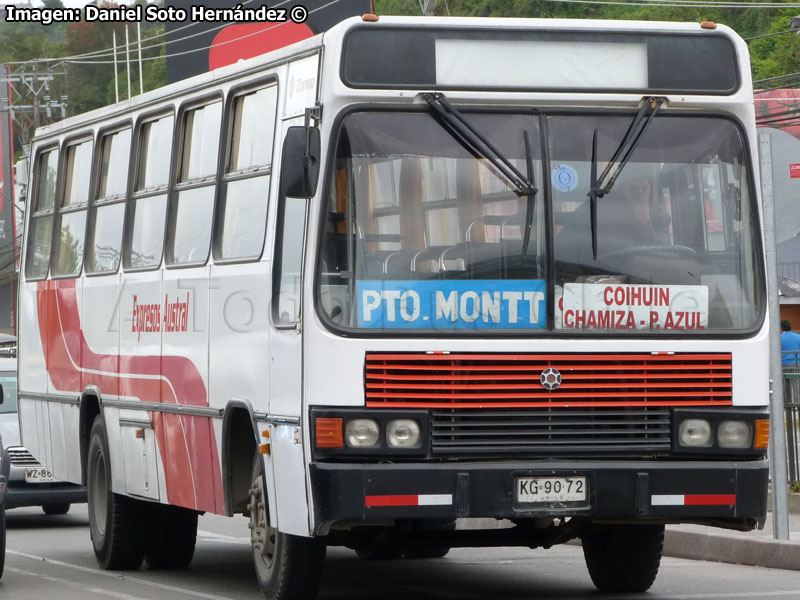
626,218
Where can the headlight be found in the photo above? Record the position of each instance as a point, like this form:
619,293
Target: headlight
362,433
402,433
695,433
734,434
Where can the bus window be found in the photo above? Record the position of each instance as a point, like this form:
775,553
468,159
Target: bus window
288,261
194,208
41,228
147,232
72,213
153,169
253,129
245,188
149,205
108,212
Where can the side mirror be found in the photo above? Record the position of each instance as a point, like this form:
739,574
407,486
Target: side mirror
300,162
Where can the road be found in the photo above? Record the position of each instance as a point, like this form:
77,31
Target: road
51,556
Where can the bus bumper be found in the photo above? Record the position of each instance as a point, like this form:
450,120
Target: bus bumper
668,491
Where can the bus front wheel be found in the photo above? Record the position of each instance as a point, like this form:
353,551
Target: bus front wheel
117,524
287,566
623,558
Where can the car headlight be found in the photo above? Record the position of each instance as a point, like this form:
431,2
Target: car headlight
695,433
734,434
402,433
362,433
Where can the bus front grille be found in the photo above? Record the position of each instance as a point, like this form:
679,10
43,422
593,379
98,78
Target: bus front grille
550,432
477,381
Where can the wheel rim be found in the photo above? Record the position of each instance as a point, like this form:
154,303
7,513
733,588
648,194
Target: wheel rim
98,495
262,537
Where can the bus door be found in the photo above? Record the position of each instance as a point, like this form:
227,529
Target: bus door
286,347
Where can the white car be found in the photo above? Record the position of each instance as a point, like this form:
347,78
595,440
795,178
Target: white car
29,483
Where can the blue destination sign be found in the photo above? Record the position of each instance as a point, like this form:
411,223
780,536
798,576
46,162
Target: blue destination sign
444,304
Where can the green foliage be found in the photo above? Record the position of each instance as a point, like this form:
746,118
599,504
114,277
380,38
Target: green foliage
91,86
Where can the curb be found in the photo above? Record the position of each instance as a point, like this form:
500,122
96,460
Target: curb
716,545
755,552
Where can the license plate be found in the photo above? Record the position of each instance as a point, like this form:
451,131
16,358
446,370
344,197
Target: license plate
39,475
551,489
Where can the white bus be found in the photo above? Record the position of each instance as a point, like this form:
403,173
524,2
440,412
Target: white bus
411,273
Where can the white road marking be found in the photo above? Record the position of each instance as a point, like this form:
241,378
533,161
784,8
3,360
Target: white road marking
75,584
161,586
228,539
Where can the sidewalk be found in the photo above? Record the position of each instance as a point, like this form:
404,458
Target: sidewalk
755,548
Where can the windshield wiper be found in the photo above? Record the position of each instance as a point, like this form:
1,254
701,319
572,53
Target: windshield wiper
599,187
531,194
475,142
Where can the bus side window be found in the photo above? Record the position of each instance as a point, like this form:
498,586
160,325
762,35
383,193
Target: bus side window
192,210
146,219
72,211
107,214
242,213
41,228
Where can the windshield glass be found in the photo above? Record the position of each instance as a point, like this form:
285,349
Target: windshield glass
421,234
8,380
676,244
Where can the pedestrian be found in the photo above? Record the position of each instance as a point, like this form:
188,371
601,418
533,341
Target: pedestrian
790,345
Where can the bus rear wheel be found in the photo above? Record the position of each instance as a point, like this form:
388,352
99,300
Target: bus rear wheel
623,558
117,524
287,566
173,536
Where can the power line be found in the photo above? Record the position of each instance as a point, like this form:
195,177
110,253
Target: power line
202,48
766,35
106,52
784,76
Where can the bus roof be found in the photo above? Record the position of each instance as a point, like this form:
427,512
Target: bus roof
335,37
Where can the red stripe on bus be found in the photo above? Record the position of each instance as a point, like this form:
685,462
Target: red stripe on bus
395,500
187,444
709,500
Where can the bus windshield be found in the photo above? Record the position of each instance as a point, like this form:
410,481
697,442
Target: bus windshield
423,234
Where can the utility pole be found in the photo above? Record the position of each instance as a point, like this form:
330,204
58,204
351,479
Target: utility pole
777,443
30,98
427,8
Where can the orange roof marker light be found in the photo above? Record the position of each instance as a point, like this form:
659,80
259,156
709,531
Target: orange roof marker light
372,15
708,25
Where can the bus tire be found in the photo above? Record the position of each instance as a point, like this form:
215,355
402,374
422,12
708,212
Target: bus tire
432,552
117,524
623,558
61,508
173,536
288,567
382,552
